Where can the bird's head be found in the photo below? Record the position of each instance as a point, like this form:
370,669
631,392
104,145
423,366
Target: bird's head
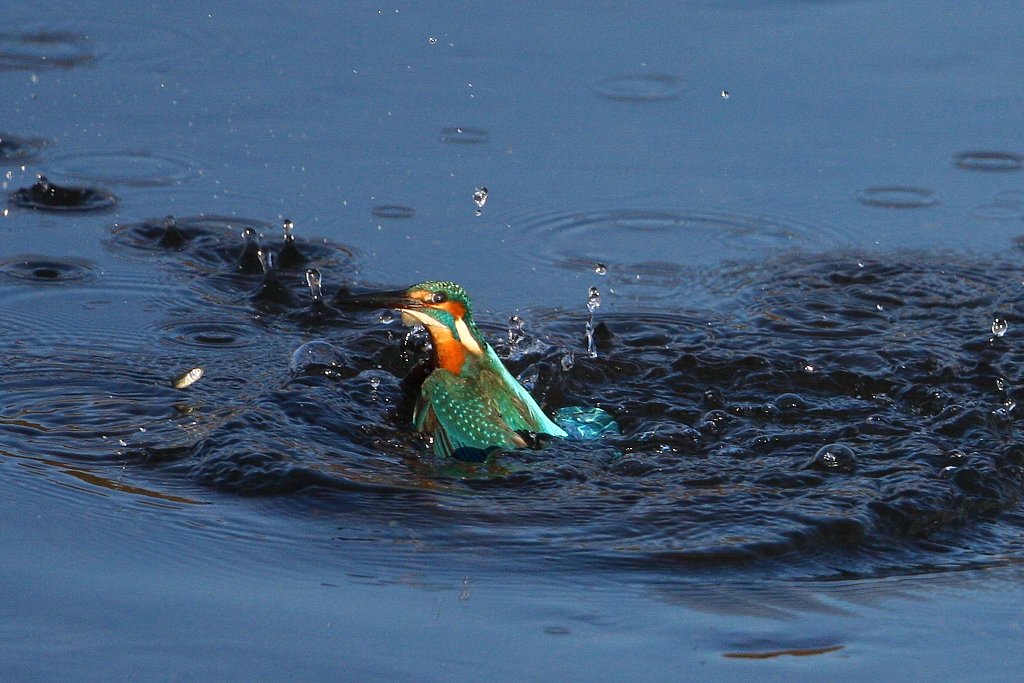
443,308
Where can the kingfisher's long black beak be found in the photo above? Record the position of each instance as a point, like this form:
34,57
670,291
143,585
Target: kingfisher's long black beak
395,299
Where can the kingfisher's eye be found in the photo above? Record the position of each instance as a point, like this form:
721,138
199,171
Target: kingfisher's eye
438,298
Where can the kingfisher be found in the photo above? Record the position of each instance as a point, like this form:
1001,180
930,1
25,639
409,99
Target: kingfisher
469,404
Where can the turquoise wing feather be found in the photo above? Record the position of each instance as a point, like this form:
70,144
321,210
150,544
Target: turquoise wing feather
522,413
464,423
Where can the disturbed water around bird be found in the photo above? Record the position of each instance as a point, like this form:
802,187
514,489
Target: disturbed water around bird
802,311
814,416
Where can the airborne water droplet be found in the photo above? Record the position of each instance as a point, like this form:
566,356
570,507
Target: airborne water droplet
432,40
313,280
480,197
601,269
725,94
593,303
999,327
387,317
516,333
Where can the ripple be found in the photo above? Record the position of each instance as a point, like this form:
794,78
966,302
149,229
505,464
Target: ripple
46,270
208,234
657,241
640,88
989,161
888,363
393,211
897,197
134,169
48,304
210,332
214,244
44,50
1005,206
86,408
46,196
14,149
463,135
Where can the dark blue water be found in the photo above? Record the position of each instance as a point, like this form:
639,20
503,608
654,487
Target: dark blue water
803,221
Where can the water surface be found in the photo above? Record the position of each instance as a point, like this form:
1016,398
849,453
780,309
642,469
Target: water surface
808,333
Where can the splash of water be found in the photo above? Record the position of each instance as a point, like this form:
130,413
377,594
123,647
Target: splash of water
593,303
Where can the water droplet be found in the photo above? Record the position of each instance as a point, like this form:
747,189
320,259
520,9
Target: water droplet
271,289
725,94
1000,383
480,196
516,333
463,135
834,457
601,269
593,303
387,317
313,281
432,40
999,327
187,379
315,357
289,257
251,259
789,402
528,377
374,383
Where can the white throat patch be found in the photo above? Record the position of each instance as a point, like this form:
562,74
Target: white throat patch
412,317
